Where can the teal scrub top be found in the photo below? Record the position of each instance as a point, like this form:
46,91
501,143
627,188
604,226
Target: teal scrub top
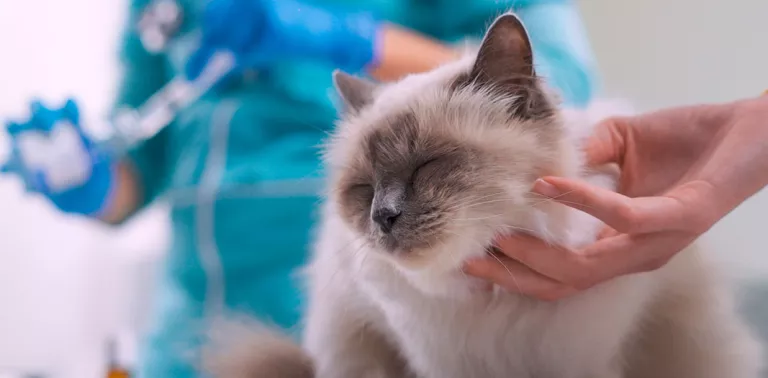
240,168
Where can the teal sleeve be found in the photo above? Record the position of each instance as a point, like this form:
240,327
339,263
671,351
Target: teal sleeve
562,52
143,74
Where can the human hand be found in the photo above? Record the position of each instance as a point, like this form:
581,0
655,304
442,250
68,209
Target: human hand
682,170
54,157
261,32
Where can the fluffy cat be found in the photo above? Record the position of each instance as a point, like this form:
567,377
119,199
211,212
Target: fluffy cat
426,172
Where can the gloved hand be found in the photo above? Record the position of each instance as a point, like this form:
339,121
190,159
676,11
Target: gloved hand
55,157
260,32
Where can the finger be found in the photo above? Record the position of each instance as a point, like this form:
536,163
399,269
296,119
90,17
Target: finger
516,277
15,128
697,206
13,163
624,214
217,18
627,254
607,144
608,206
71,112
36,106
37,183
607,232
597,263
557,263
41,117
198,61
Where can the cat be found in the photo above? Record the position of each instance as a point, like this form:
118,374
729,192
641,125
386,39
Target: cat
425,173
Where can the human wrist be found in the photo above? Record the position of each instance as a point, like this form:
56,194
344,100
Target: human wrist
106,187
401,52
122,198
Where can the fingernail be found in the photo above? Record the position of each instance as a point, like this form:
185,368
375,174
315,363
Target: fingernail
545,189
469,265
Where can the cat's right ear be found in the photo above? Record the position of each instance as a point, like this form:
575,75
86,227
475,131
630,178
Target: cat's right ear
356,92
505,63
506,52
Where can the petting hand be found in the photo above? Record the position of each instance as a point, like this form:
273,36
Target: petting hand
682,170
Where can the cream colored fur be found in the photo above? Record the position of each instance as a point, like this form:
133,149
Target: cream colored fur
373,316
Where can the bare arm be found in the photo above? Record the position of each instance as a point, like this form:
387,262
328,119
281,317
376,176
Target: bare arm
126,197
405,52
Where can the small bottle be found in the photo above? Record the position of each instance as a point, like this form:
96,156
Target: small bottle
115,368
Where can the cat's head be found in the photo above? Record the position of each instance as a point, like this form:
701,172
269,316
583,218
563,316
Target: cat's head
429,169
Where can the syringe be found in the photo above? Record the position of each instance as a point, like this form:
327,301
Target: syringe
130,127
136,125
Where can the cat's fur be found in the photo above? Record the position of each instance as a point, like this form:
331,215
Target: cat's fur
454,152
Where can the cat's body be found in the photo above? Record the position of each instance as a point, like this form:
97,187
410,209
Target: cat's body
675,322
426,172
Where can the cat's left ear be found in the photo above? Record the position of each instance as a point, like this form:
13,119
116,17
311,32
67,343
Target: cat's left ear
505,62
356,92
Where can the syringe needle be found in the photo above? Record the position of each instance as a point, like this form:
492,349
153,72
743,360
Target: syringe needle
161,109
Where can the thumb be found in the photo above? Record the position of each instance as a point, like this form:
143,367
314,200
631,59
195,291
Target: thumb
607,143
197,62
35,182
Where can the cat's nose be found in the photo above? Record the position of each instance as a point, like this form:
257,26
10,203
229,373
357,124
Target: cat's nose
385,217
387,205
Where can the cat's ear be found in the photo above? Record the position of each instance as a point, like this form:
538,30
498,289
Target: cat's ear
505,61
506,50
355,91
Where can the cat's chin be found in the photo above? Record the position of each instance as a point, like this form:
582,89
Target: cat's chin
443,277
448,285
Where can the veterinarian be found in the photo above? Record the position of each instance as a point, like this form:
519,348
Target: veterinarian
683,169
240,168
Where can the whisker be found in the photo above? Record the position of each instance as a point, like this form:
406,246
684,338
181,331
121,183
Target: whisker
339,267
544,199
470,201
518,228
514,279
489,202
483,247
477,219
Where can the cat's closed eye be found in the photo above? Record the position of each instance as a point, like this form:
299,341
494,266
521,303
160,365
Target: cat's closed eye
438,169
424,168
361,192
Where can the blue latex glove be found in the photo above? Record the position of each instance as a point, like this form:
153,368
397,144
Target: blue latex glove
261,32
53,156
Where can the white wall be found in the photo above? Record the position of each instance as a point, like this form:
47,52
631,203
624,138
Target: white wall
671,52
64,283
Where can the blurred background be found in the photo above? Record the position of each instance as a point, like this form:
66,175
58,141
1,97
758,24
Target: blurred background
68,286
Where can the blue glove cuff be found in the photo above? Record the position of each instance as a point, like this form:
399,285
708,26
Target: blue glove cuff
262,32
349,40
360,44
108,186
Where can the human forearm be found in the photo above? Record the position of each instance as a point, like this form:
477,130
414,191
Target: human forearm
142,75
355,42
404,52
125,197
